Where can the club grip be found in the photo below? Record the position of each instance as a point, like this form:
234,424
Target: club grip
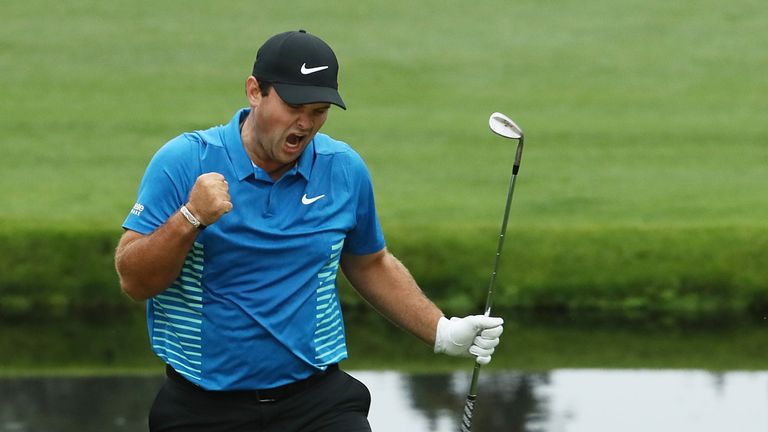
466,417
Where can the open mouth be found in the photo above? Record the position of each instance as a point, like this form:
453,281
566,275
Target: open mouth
294,140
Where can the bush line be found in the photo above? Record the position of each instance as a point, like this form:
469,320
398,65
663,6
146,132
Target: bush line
691,271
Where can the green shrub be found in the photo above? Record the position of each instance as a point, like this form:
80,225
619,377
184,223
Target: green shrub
620,270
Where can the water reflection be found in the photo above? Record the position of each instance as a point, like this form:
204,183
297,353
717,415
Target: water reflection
508,401
76,404
555,401
574,401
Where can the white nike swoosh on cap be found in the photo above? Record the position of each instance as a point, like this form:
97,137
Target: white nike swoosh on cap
307,201
306,71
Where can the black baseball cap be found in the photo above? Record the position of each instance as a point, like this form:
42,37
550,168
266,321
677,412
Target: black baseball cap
301,67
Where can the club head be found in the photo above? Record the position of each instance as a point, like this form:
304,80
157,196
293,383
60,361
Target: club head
504,126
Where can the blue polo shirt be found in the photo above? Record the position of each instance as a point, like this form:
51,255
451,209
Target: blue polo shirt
256,304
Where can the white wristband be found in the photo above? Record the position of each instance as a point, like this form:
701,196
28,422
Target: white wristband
191,218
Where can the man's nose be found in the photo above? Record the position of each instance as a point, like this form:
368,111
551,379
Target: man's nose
305,120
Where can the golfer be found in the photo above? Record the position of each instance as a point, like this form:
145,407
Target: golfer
236,240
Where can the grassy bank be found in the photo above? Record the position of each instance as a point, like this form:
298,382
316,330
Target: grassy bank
641,271
106,345
640,190
618,270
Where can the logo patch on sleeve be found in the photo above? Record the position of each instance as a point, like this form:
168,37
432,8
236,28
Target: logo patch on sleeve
137,209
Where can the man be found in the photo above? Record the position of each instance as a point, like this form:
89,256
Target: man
236,240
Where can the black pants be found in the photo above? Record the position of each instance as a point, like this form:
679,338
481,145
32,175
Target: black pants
332,402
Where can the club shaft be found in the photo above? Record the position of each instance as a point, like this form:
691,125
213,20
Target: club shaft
499,247
466,421
503,231
492,284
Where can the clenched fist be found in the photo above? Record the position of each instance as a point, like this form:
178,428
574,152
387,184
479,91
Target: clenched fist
209,198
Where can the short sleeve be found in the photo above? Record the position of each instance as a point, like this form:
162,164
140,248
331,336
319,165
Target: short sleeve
165,186
366,237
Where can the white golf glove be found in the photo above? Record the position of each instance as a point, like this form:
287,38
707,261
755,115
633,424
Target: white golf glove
475,335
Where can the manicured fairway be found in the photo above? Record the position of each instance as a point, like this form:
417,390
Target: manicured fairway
646,124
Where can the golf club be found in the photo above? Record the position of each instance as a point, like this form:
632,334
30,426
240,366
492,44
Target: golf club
504,126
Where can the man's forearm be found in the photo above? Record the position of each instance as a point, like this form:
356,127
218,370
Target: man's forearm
389,287
147,265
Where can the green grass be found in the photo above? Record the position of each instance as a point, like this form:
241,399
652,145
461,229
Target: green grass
635,112
645,123
109,346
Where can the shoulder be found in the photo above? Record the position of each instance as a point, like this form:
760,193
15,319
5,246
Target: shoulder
181,156
190,145
213,136
328,147
181,148
342,159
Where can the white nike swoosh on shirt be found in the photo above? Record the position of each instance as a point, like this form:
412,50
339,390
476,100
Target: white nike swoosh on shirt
306,71
308,201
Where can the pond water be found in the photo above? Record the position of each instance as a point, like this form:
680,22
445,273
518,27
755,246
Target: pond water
561,400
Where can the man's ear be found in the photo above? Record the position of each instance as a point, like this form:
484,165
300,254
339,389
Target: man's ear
253,91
